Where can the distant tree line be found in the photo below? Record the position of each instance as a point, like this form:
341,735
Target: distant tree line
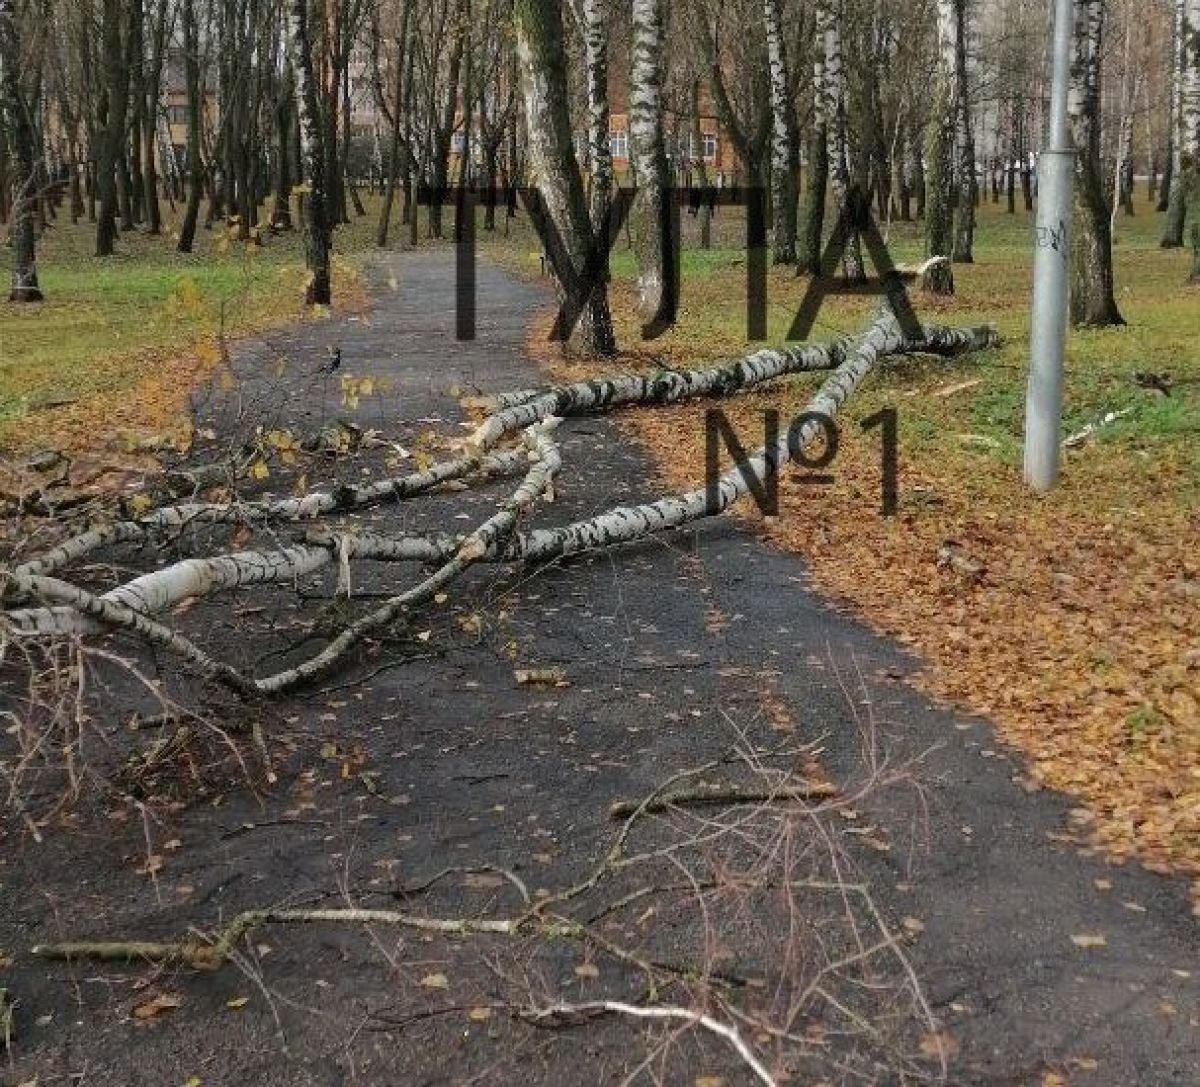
266,115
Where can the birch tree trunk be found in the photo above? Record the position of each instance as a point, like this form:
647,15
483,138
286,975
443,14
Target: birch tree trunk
313,156
1189,123
191,62
653,241
967,183
818,167
939,153
1092,299
1173,201
834,92
595,54
784,151
551,154
24,177
112,136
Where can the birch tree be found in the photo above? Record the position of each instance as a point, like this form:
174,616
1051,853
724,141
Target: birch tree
113,107
965,182
551,154
594,28
1173,184
818,165
312,153
653,240
1092,299
195,109
939,152
1186,180
24,178
784,151
835,107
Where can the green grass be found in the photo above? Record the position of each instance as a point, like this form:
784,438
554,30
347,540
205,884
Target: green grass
107,323
1162,311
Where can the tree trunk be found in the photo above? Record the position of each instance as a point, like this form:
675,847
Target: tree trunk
595,61
24,176
835,107
818,166
540,49
939,152
1189,115
1092,299
191,62
312,152
399,106
784,141
653,236
1171,199
112,138
967,182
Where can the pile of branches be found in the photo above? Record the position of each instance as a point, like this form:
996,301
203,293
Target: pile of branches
740,851
516,439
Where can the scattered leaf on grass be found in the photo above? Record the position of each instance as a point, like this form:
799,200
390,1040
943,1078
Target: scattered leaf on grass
479,1015
237,1002
709,1081
435,981
587,970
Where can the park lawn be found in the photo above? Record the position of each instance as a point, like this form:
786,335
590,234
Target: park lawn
1081,637
110,357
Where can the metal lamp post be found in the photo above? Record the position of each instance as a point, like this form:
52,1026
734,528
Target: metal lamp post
1056,171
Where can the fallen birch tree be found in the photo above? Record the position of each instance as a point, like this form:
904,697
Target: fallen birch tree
41,603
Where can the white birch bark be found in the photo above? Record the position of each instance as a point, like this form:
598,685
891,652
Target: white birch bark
939,153
652,234
489,537
835,110
1093,301
311,506
1189,105
595,59
160,590
628,524
1172,237
312,154
818,168
784,153
553,168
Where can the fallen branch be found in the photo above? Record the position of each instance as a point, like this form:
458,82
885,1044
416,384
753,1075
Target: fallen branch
566,1014
204,955
727,796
